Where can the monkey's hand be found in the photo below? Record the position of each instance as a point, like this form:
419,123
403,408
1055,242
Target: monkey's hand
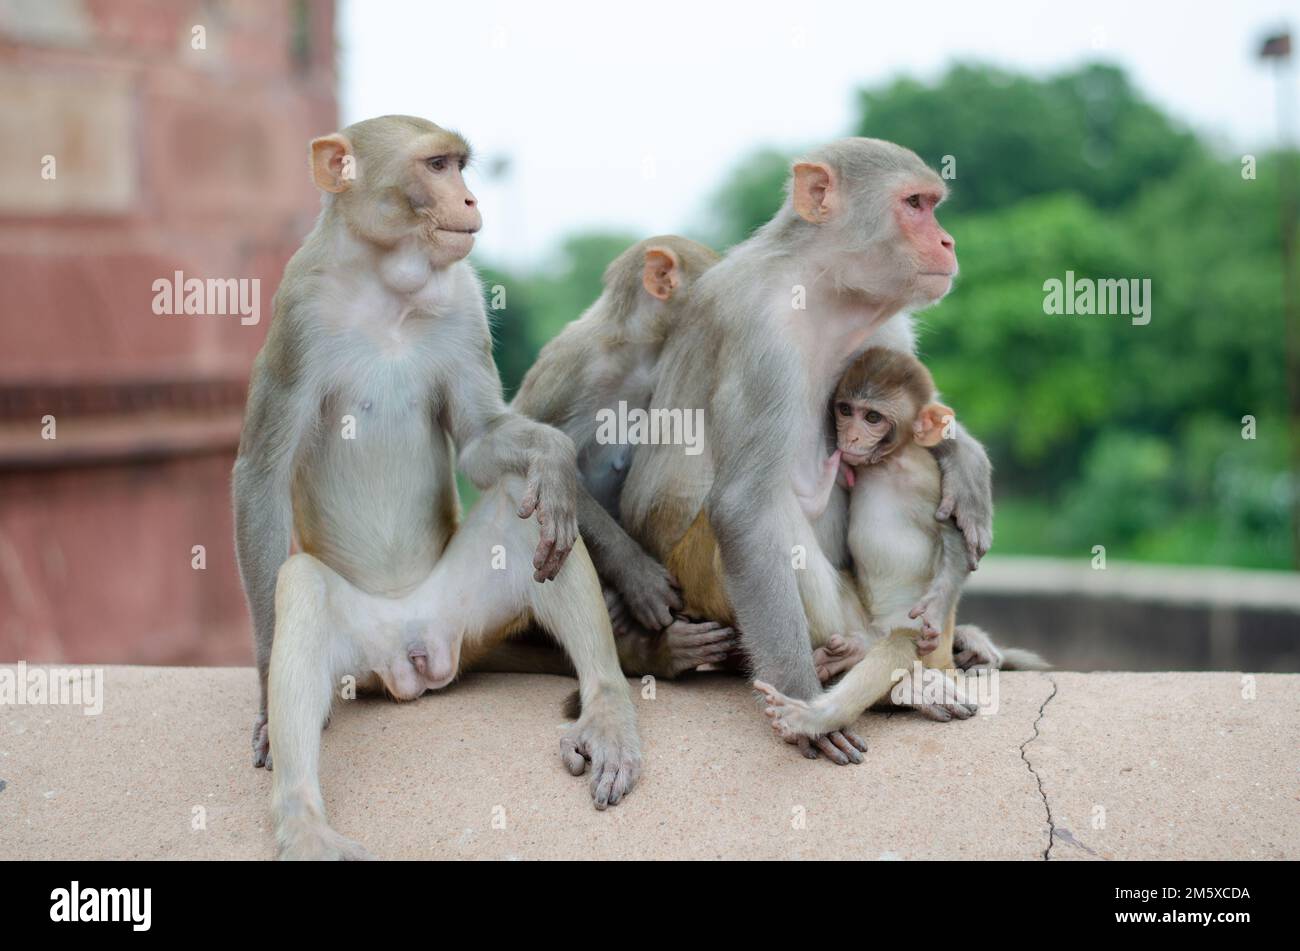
649,590
605,736
838,655
551,495
932,610
967,486
803,724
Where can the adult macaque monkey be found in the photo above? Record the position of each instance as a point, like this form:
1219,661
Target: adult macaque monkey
605,358
378,361
766,336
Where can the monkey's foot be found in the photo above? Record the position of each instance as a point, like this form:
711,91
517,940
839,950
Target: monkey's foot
973,649
689,644
838,655
797,722
939,698
317,842
261,742
606,737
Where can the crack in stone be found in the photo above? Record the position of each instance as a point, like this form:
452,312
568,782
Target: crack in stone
1051,822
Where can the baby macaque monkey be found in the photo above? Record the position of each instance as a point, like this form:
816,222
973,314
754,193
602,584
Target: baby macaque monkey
909,567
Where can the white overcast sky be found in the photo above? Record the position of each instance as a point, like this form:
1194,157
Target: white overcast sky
628,115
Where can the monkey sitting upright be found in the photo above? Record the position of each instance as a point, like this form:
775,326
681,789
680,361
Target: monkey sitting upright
909,566
605,358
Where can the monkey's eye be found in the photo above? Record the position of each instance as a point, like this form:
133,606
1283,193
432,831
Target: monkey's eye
844,409
437,164
874,417
914,201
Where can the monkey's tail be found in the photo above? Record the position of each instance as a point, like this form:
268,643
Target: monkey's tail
1016,658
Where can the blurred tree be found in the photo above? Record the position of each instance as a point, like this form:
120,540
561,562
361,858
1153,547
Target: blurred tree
1014,136
1101,431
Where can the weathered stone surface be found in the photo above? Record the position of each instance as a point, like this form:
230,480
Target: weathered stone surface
1184,766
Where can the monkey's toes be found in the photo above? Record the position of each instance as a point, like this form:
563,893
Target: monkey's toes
261,742
574,761
692,644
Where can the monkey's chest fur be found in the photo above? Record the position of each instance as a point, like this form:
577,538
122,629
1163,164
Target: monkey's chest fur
374,495
893,536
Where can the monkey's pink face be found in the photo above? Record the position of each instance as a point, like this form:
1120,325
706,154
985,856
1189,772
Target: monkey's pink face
864,433
427,665
932,248
448,210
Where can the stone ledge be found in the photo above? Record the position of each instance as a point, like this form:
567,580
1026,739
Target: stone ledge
1169,766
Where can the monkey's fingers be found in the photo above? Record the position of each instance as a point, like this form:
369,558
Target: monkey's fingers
545,565
946,506
805,747
833,752
849,747
528,504
853,738
575,761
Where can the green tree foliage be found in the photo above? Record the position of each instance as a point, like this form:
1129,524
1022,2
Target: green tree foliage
1101,431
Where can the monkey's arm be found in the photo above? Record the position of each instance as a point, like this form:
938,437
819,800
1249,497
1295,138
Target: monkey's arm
647,587
279,414
745,511
813,498
551,393
945,587
492,439
967,491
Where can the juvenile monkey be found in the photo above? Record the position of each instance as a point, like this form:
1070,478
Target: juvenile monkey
377,363
607,357
909,566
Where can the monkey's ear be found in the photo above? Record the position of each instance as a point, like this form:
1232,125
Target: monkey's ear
928,428
332,163
662,274
814,191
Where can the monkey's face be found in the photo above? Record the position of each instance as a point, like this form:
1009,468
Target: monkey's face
884,234
436,192
865,430
931,249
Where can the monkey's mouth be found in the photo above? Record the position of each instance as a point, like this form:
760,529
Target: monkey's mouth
853,458
459,230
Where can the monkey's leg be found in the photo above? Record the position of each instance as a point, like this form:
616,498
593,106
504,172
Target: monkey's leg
304,660
605,735
885,662
930,687
571,608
